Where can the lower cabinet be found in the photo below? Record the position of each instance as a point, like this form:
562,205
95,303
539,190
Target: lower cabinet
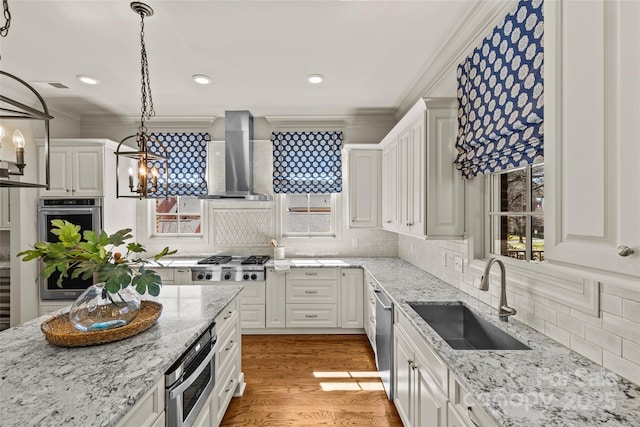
418,398
148,411
351,298
426,392
252,305
275,288
369,314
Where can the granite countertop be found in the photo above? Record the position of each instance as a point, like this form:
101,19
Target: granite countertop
45,385
549,385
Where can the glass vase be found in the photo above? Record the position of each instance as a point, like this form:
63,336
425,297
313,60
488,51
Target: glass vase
97,309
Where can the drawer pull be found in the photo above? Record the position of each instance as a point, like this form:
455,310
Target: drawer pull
310,273
310,292
182,270
472,418
231,344
311,316
226,390
228,315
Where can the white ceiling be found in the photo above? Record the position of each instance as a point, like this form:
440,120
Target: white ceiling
258,53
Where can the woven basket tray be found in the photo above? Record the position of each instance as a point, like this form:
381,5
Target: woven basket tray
59,331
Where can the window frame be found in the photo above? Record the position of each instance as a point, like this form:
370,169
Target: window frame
283,232
492,211
153,215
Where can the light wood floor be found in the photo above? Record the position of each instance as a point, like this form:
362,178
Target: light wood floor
310,380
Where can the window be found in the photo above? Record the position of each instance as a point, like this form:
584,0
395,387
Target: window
178,215
517,213
308,215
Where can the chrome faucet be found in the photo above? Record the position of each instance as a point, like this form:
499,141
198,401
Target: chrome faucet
504,310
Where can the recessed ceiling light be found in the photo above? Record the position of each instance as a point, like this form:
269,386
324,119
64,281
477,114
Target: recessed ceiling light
201,79
315,78
87,79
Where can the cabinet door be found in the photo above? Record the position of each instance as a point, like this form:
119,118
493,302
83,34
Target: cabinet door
390,187
87,171
405,174
275,299
430,402
60,173
445,188
403,372
352,298
364,189
591,128
417,178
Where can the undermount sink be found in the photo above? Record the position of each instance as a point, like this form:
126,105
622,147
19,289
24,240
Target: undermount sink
462,329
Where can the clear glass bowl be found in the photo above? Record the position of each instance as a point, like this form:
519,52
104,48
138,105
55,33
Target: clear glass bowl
97,309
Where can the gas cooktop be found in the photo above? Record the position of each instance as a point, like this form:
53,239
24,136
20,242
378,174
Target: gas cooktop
223,268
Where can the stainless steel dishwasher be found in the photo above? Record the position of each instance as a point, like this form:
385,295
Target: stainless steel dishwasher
384,340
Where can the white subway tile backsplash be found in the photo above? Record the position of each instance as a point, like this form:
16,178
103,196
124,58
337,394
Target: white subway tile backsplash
587,318
621,291
631,310
631,351
621,366
571,324
560,308
604,339
547,313
558,334
532,320
524,303
621,327
611,304
587,349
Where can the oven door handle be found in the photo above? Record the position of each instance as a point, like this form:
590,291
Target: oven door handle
179,388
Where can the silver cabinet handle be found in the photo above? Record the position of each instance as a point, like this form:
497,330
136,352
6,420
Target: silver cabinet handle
231,344
182,270
311,316
227,316
472,417
624,250
388,222
67,190
310,274
310,292
226,390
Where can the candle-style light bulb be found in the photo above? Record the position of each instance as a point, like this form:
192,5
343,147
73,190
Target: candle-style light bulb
154,174
131,179
18,141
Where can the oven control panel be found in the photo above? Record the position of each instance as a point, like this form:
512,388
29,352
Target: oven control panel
227,275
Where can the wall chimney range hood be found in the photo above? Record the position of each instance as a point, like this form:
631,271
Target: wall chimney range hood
238,149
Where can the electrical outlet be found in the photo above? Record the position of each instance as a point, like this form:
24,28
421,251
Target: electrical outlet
444,259
354,243
457,262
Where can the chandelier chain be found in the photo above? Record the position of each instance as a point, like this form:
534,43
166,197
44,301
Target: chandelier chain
147,110
4,30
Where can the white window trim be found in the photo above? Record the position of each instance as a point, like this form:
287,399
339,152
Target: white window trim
566,285
336,206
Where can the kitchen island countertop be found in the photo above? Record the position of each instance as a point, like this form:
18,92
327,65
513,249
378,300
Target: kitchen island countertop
45,385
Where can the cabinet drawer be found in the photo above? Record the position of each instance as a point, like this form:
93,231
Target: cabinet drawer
166,274
253,293
226,317
229,339
313,273
466,407
311,316
148,408
312,291
226,385
252,315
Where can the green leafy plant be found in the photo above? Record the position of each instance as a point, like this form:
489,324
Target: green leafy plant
86,255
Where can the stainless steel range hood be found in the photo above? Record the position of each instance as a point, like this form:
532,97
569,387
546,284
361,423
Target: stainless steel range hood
238,149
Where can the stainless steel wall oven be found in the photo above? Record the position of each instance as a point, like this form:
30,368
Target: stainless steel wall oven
189,382
87,213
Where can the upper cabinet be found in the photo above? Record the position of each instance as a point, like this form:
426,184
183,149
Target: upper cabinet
422,193
363,187
592,64
77,168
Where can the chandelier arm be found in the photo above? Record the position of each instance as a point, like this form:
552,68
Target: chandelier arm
4,30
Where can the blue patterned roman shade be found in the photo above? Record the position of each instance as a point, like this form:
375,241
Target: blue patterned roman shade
500,96
307,162
187,154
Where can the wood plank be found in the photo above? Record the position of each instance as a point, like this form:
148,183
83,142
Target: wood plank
310,380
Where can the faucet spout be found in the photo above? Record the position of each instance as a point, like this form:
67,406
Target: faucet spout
504,311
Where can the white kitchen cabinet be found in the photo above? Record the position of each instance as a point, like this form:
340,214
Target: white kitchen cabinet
390,186
182,276
275,288
149,411
369,314
591,134
5,208
428,189
352,298
463,410
252,305
312,298
76,171
417,395
47,308
363,187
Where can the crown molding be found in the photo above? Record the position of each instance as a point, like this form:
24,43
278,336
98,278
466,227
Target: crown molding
306,122
175,122
482,17
59,114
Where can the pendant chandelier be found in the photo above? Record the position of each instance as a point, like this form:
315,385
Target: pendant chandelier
151,156
16,110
